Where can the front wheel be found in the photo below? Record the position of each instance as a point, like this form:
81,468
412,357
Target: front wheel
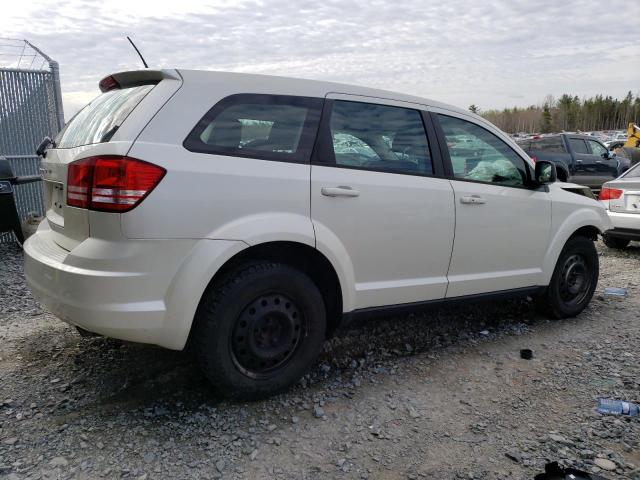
574,279
259,329
562,176
613,242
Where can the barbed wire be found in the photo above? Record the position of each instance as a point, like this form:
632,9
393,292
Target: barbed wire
20,54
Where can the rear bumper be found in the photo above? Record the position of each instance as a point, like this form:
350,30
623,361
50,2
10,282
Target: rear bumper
625,225
130,289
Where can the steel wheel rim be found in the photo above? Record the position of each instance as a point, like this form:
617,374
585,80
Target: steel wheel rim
575,280
266,335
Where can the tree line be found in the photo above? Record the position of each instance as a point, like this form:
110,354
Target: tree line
568,113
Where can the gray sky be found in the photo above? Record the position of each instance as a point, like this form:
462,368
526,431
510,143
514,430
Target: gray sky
491,53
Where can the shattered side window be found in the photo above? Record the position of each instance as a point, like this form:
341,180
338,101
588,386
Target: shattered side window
379,137
477,154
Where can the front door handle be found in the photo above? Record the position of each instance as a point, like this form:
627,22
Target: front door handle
473,200
341,191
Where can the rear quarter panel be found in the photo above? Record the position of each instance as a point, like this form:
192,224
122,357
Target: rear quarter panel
208,196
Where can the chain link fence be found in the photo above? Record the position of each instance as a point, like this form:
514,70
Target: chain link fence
30,109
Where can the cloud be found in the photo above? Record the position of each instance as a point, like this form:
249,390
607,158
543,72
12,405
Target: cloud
487,53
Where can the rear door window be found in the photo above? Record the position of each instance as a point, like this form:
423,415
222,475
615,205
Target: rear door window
525,145
269,127
579,146
99,121
350,150
378,137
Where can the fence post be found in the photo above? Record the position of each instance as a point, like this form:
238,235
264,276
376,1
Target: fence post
57,92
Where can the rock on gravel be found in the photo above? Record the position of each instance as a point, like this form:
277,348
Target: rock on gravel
59,462
605,464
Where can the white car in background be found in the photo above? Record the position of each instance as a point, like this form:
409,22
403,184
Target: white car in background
219,209
621,198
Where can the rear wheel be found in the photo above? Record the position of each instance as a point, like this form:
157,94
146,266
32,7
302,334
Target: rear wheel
574,280
613,242
259,330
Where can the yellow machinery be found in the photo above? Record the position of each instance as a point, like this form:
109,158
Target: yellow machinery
632,145
633,136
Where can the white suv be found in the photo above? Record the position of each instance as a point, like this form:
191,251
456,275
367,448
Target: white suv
251,215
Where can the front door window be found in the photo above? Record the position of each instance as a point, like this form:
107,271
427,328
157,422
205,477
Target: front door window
477,154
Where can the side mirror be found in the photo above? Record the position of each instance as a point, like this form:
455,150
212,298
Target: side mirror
546,172
46,141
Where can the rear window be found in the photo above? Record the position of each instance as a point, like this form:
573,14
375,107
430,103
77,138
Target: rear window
549,144
269,127
99,121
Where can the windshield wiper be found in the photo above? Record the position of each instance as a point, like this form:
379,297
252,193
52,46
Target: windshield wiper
110,133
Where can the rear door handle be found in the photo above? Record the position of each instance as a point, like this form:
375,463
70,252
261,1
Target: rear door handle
341,191
578,161
473,200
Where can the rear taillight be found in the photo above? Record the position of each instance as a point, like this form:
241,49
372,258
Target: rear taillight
610,193
535,159
79,178
110,183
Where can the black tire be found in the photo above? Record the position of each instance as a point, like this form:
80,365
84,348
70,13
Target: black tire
259,329
613,242
562,176
574,280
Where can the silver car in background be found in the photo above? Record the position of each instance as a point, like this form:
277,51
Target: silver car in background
621,197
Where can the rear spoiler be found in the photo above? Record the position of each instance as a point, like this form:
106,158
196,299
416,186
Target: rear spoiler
135,78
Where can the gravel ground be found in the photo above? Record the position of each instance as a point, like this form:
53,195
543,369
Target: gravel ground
442,395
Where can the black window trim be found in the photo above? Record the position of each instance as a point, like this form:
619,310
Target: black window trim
323,154
448,165
307,138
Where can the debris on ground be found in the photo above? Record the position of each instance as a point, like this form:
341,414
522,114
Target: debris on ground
553,471
526,353
615,292
617,407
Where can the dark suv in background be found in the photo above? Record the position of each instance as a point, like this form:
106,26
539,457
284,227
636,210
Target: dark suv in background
579,159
